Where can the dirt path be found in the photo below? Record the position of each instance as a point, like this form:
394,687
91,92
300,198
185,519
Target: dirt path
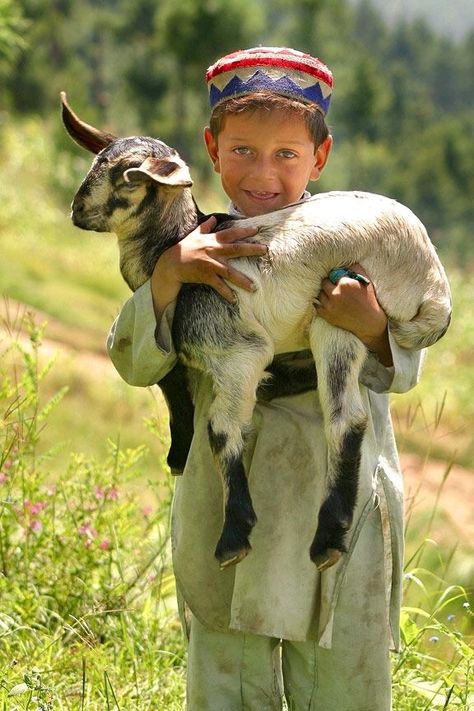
423,480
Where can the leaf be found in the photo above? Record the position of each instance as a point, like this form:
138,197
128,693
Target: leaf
417,611
19,689
408,627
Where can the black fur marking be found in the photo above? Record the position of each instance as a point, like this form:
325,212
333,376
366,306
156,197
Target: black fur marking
223,220
192,322
113,203
292,374
240,516
181,414
337,511
148,200
337,377
217,440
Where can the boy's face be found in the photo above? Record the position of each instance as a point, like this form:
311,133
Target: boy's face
265,159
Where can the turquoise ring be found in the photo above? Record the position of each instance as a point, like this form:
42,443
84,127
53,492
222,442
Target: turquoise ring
336,274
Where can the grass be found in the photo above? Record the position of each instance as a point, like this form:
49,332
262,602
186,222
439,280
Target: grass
88,616
441,408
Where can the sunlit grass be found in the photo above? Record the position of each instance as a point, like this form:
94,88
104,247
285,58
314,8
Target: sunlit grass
441,408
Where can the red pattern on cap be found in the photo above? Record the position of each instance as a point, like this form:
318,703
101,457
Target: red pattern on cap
283,57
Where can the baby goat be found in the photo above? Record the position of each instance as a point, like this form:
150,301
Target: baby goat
139,188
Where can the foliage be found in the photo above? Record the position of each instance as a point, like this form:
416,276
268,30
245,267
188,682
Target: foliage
434,668
87,614
11,26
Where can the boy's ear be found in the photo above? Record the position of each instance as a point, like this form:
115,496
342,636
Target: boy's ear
212,148
321,156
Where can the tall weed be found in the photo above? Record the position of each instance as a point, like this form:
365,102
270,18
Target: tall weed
88,617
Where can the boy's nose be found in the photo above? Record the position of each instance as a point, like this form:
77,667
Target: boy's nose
264,167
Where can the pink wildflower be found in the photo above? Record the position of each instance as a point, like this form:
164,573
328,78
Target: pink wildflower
113,493
147,510
105,544
99,492
34,508
87,531
3,478
36,525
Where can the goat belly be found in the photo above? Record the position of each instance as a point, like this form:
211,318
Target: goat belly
203,323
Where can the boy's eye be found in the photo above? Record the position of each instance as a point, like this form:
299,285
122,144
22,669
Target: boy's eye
242,150
287,153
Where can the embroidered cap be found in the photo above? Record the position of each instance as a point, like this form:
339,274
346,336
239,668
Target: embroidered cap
279,70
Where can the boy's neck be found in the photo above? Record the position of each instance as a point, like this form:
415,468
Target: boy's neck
234,210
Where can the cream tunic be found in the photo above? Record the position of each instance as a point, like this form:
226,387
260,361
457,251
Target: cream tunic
276,590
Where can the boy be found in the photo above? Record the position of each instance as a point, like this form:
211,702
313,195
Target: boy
274,620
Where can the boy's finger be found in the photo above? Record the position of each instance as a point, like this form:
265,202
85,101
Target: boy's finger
223,289
208,225
225,271
327,287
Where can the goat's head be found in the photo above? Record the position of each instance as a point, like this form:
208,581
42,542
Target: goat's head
124,178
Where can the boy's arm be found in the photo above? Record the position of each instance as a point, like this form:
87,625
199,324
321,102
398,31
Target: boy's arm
201,258
352,305
141,353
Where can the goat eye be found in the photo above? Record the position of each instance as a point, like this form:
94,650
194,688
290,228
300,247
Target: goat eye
127,185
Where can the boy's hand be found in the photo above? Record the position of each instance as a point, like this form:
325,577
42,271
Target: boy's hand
201,258
353,306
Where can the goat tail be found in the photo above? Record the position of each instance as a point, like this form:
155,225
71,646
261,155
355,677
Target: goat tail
428,325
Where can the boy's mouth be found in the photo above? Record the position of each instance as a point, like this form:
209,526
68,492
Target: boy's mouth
261,195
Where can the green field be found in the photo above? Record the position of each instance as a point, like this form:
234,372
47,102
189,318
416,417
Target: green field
88,617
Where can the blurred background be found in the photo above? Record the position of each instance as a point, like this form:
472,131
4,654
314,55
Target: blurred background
403,125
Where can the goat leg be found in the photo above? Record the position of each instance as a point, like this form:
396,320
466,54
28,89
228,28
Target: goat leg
289,376
239,515
181,413
237,373
336,513
339,358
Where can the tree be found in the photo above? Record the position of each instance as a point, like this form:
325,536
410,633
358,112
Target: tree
12,26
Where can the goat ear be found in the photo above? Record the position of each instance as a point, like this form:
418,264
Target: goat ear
82,133
165,171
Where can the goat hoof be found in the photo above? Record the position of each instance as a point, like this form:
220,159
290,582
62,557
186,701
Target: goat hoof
228,558
326,559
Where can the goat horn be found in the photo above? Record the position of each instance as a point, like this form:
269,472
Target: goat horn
82,133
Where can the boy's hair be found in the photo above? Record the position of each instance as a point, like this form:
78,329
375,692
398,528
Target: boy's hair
268,101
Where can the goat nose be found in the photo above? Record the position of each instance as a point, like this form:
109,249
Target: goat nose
77,207
77,212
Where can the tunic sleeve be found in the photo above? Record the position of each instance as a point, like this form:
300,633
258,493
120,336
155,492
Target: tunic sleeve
402,376
142,353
